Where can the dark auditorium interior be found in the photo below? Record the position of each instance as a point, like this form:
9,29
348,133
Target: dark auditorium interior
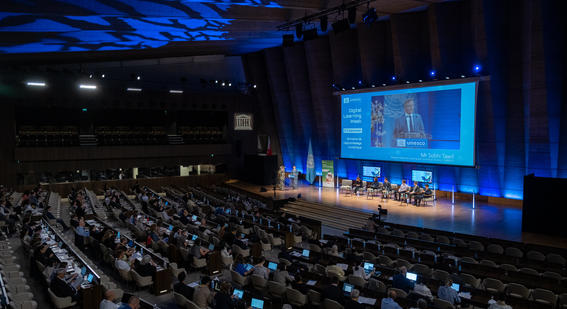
263,154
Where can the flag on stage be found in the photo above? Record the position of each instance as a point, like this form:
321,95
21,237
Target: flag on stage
269,150
310,173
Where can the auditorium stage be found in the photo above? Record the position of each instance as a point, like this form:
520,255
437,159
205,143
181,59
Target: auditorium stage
482,219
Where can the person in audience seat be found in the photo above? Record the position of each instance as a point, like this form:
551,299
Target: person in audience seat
421,304
238,241
61,288
400,281
352,302
260,269
133,303
240,266
390,301
281,274
332,291
445,292
300,285
121,262
422,289
108,301
146,267
223,299
203,295
182,288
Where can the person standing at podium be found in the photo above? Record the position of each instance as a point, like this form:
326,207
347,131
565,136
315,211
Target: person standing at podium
294,175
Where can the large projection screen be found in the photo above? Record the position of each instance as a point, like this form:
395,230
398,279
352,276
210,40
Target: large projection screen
427,124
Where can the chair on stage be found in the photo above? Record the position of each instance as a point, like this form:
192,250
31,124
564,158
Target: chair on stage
346,187
386,194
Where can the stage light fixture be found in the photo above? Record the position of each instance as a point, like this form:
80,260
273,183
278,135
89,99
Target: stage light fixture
287,40
373,86
102,76
216,81
323,23
383,85
299,30
432,73
223,84
138,77
447,77
36,84
477,68
407,81
230,84
84,110
370,16
351,14
340,26
421,81
86,86
134,89
175,91
463,76
343,89
254,86
394,78
90,76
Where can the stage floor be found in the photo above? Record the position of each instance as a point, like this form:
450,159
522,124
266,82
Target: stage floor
482,219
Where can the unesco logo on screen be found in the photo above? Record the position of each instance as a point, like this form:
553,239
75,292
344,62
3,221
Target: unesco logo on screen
345,100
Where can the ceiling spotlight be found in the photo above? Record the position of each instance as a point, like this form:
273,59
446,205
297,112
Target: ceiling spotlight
370,16
477,68
254,86
134,89
175,91
383,85
373,86
216,81
446,77
462,76
229,84
223,84
432,73
36,84
85,86
343,89
91,76
394,77
353,88
421,81
102,76
138,77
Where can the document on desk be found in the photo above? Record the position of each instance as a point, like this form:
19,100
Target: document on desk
295,254
367,300
343,266
466,295
193,284
311,282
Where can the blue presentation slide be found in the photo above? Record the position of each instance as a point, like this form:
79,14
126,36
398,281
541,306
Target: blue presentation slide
428,124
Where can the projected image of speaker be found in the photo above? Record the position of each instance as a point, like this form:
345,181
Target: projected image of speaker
426,124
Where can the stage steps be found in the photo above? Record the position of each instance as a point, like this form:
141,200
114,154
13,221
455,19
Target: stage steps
330,215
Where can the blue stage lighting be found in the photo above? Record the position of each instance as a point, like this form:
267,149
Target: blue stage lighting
432,73
394,77
360,82
477,68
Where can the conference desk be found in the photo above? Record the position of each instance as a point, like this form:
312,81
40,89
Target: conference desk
91,291
163,276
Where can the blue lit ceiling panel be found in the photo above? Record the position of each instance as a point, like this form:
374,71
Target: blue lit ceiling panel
101,25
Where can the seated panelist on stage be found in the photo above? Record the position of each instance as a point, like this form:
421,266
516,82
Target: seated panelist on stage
375,184
403,189
415,191
409,122
386,187
357,184
425,193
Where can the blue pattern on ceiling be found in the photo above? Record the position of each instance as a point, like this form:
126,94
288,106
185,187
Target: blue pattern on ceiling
97,25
